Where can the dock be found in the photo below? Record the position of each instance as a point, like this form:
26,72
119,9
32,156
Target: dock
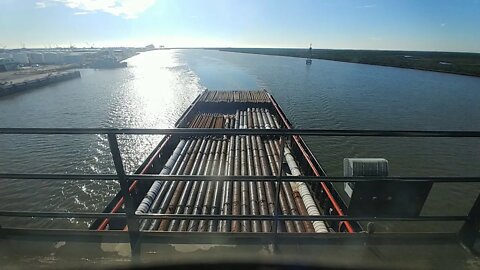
21,84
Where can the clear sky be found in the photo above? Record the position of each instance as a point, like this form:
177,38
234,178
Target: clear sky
438,25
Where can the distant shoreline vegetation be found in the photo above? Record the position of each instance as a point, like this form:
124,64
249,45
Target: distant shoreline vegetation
446,62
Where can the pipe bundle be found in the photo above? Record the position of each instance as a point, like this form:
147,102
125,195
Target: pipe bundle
210,120
234,96
237,155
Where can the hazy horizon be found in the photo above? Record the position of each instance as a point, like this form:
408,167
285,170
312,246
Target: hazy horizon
442,26
200,47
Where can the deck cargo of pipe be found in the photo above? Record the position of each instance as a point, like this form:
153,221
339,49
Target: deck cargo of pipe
231,155
234,182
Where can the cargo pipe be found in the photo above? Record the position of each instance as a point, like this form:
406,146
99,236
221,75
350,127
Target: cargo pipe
283,204
262,199
153,191
182,186
236,185
252,189
120,202
325,188
244,196
188,188
291,205
228,190
216,208
208,202
304,192
287,203
189,206
164,188
175,185
193,224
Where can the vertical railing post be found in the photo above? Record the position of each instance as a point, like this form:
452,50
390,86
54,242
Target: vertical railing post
278,190
133,228
469,231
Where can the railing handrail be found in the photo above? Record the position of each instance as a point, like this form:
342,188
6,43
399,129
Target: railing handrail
155,177
207,131
469,229
89,215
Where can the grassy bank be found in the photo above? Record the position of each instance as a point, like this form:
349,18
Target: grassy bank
448,62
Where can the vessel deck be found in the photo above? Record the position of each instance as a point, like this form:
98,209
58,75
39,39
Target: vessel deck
218,153
228,155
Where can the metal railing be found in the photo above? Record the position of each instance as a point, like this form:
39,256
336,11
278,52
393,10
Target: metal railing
467,234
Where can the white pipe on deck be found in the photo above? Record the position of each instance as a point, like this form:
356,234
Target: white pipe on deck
155,188
265,119
304,192
237,119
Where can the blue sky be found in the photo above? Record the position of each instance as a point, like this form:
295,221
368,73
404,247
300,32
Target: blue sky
437,25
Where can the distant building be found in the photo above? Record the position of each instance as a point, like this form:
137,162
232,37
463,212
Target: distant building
7,64
36,58
61,57
6,55
52,58
21,58
150,47
74,58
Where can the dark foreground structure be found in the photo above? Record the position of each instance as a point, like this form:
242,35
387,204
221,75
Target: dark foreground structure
233,182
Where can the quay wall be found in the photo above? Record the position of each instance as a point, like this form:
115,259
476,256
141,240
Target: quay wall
27,84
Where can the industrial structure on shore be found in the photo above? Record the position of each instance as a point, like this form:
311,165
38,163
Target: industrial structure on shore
23,69
85,57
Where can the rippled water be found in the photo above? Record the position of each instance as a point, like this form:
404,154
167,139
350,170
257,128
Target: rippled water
157,87
151,93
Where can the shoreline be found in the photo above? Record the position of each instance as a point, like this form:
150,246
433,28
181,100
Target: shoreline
20,80
466,64
33,81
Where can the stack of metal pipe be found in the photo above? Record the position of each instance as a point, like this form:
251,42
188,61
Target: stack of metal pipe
234,96
237,155
209,120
